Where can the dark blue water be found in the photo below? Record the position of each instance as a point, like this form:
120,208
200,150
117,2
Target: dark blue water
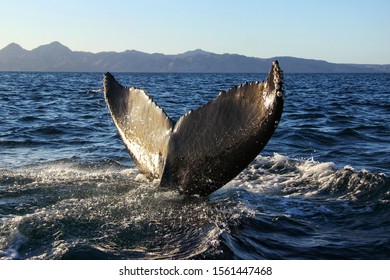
69,190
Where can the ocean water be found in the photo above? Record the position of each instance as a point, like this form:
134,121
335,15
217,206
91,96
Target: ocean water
69,190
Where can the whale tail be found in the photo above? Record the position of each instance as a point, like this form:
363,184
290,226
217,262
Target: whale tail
207,147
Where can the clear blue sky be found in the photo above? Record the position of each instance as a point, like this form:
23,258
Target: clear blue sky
334,30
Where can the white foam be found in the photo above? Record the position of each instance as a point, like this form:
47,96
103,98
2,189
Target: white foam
279,174
11,242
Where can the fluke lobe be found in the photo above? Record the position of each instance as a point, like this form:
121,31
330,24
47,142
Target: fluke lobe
205,148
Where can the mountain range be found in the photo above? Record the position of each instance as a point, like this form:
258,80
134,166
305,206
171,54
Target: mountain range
55,57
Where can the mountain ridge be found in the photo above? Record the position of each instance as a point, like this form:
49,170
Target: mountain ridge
56,57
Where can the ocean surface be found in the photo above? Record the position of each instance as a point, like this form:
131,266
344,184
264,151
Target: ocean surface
69,190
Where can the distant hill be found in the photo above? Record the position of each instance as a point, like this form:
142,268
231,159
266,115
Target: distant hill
57,57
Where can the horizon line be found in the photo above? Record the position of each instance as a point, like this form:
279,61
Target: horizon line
188,51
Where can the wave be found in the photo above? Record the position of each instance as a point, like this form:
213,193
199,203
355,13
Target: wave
277,174
68,209
281,175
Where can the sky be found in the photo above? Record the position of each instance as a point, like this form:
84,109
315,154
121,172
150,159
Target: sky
340,31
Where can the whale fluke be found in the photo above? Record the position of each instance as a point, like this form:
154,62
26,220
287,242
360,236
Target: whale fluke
207,147
143,126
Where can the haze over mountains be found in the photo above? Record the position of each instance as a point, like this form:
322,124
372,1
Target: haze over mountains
57,57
